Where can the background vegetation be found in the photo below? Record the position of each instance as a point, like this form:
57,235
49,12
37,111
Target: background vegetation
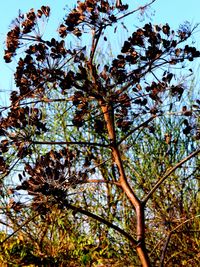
99,151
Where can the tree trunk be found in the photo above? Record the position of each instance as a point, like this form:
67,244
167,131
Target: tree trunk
137,204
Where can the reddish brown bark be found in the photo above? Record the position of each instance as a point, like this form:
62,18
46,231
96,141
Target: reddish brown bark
137,204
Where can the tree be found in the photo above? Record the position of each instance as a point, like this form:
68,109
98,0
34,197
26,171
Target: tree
77,123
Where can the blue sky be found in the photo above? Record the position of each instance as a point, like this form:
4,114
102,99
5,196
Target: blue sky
174,12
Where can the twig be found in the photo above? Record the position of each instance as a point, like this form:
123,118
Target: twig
102,220
168,239
101,181
135,10
168,172
67,143
136,128
20,227
94,44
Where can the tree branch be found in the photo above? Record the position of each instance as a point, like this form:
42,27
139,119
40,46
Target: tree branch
18,228
67,143
168,239
95,43
101,181
168,172
102,220
137,9
136,128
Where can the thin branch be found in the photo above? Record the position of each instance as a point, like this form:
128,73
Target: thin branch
168,239
82,49
136,128
155,247
7,172
95,43
5,224
137,9
67,143
178,226
168,172
165,250
19,228
46,100
23,97
101,181
102,220
131,12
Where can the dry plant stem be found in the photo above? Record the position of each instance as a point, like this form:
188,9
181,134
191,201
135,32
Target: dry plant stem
168,239
102,181
19,228
66,143
170,171
139,208
165,250
137,9
82,211
107,110
137,128
95,41
97,218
